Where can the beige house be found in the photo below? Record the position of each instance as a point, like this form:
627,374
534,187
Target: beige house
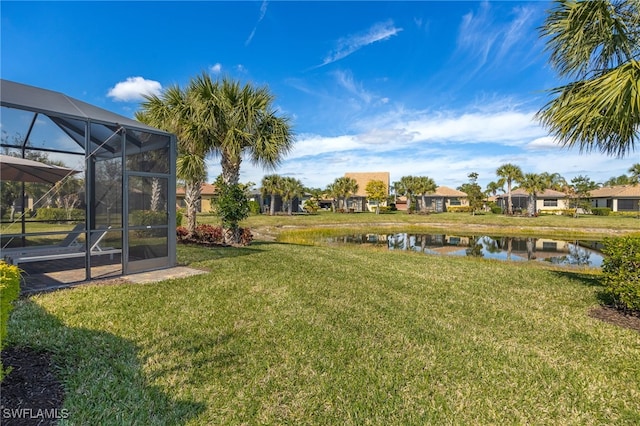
359,202
205,204
619,198
439,201
549,201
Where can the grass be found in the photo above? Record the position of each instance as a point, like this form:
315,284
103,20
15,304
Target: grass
296,334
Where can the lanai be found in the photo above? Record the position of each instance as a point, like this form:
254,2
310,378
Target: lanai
122,192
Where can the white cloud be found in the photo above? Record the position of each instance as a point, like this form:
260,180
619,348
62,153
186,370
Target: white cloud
134,89
263,12
545,142
216,68
348,45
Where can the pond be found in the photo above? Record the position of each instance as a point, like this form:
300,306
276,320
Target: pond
577,253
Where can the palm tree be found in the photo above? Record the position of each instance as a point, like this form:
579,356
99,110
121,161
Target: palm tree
333,193
424,185
532,183
493,188
237,121
220,118
290,189
407,187
554,181
635,174
271,185
170,111
597,44
508,173
345,187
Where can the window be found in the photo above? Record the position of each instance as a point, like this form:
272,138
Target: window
625,205
455,202
551,202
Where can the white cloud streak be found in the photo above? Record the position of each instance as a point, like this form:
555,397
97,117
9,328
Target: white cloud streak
133,89
348,45
263,12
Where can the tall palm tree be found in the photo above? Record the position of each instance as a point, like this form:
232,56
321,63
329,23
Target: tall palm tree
170,111
271,185
290,189
596,43
508,173
532,183
635,174
424,185
221,118
332,191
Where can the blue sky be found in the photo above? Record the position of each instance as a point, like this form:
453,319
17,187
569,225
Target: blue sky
426,88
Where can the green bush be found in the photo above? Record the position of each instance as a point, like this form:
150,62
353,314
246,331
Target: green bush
59,215
621,269
496,209
179,216
459,209
148,218
601,211
254,207
9,291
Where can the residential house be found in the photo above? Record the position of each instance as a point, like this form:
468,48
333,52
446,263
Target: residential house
438,201
205,203
358,201
620,198
548,201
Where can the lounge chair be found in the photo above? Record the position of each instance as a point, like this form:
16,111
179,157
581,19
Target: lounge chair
71,248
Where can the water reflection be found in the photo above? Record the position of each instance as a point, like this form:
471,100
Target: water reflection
559,252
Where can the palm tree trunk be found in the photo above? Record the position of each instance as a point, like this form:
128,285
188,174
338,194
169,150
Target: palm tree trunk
191,197
230,169
509,205
272,206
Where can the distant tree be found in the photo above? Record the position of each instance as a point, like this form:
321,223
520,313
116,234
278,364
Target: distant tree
532,183
493,188
635,174
580,191
509,173
554,181
474,192
424,185
271,186
376,191
345,187
595,43
407,187
332,192
617,180
291,188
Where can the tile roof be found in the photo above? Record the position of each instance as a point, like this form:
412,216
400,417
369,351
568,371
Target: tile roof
620,191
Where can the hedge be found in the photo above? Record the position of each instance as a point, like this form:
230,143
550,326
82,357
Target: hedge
621,271
9,291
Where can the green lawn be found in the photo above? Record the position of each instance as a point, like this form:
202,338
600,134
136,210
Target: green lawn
295,334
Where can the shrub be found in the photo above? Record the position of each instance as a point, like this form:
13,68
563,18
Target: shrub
601,211
569,212
181,233
209,234
254,207
9,291
496,209
54,214
245,236
179,216
148,218
460,209
621,269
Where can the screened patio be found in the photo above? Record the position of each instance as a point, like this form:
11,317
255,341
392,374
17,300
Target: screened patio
85,193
